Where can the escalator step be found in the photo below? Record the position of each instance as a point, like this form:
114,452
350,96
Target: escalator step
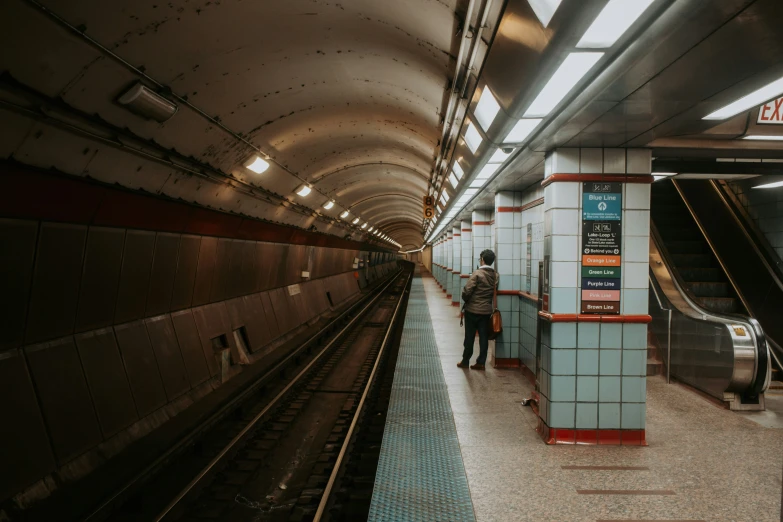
699,260
687,247
700,274
710,289
724,305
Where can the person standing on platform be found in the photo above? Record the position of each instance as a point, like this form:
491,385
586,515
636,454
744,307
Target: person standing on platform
477,296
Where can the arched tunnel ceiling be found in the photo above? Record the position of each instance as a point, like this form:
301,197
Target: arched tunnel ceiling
347,95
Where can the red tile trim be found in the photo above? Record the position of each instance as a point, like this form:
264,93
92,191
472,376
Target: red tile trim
467,230
482,223
585,318
454,304
508,292
529,297
504,362
464,276
448,296
508,209
534,203
617,178
456,235
593,437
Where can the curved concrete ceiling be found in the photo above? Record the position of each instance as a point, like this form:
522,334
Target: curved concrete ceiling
348,96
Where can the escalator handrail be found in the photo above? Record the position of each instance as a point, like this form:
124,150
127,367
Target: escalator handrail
674,288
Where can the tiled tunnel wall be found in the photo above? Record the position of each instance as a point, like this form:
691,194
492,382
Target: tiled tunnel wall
765,207
108,332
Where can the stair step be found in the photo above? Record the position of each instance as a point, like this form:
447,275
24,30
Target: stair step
654,367
710,289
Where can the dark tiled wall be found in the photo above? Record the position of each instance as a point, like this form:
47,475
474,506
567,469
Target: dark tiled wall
100,327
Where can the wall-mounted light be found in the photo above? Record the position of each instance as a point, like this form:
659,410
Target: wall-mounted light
364,226
304,190
257,164
763,137
328,205
146,103
344,214
355,221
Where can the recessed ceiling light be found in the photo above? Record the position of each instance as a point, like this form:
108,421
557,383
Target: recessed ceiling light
328,205
757,97
770,185
453,180
499,156
487,109
473,137
612,22
570,72
304,190
344,214
364,226
763,138
457,170
355,221
522,130
257,165
544,9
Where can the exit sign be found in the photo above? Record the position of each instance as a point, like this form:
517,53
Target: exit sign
771,113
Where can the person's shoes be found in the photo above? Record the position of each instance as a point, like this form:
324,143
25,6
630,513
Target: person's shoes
477,366
462,365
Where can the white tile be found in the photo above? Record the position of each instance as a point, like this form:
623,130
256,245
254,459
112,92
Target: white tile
591,161
564,274
636,249
505,266
635,275
549,164
565,248
561,195
563,300
614,161
517,219
504,220
637,196
505,251
639,161
565,222
504,199
636,222
506,235
565,161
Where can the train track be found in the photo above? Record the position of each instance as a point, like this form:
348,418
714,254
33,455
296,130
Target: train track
282,453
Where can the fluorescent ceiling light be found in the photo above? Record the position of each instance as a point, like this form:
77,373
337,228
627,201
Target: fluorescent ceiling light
444,196
257,165
769,185
499,156
488,170
486,109
364,226
470,192
612,22
665,174
570,72
355,221
472,137
522,130
328,205
763,138
370,230
763,95
453,180
478,183
544,9
304,190
457,170
344,214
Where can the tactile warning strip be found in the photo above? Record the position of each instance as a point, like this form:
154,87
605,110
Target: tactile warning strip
420,474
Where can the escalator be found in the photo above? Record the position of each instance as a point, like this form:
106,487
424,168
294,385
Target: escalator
715,301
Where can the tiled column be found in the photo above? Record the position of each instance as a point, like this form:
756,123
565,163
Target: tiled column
532,244
507,247
456,264
593,375
448,262
467,253
481,222
436,261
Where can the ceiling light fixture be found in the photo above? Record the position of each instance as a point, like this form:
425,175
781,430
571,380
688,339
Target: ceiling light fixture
364,226
544,9
757,97
328,205
355,221
570,72
473,137
304,190
257,164
612,22
761,137
770,185
522,130
500,156
487,109
453,180
345,214
145,102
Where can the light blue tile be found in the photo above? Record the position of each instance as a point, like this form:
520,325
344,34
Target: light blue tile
611,335
563,362
514,318
515,305
633,416
588,335
563,335
610,362
609,389
587,389
546,357
586,362
634,362
634,389
544,383
501,349
504,303
543,408
561,414
635,336
562,388
586,415
562,300
609,416
635,301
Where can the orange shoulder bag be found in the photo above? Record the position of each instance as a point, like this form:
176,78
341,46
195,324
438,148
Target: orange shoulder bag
495,320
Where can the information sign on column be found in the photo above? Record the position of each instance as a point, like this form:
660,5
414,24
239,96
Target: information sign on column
601,247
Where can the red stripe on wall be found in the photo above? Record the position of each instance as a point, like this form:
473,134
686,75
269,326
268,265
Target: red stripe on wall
585,318
616,178
476,223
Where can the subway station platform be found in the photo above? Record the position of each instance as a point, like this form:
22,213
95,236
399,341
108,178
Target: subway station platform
460,446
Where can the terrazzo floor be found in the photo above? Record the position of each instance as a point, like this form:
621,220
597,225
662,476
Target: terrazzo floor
703,463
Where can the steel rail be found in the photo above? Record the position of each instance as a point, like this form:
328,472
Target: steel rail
273,403
344,449
98,513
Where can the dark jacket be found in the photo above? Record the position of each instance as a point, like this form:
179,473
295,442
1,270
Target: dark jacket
479,291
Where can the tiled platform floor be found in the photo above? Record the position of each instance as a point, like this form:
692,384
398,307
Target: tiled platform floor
716,465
